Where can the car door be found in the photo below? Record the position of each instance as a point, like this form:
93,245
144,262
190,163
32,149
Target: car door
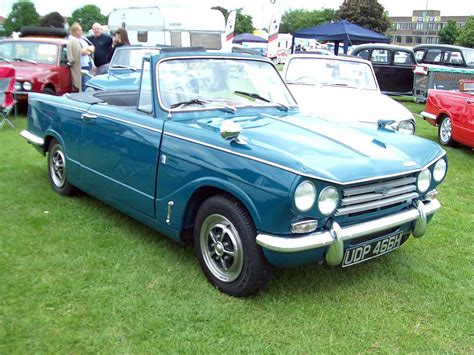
466,124
385,73
120,153
403,65
63,81
120,156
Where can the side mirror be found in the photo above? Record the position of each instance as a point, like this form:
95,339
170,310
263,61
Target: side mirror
231,131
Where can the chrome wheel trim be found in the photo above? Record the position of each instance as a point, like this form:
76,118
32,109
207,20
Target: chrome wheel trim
57,166
221,248
445,130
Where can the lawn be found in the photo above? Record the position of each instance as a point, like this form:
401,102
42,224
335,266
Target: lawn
77,276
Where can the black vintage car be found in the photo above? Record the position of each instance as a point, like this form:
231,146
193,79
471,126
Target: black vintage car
444,54
393,66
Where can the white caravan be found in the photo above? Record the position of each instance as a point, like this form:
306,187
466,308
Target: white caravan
174,26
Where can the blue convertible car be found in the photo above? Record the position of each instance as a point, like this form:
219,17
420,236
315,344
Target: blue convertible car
215,144
124,69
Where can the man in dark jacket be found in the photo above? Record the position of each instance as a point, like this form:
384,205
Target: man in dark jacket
103,48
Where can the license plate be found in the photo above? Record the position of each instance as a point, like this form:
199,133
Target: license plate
371,250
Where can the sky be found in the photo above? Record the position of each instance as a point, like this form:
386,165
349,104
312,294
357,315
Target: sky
260,10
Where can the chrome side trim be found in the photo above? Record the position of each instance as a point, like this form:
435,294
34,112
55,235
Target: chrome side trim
325,238
102,115
59,105
112,118
31,138
266,162
428,115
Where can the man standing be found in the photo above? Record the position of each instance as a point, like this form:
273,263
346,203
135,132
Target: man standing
79,61
74,58
103,48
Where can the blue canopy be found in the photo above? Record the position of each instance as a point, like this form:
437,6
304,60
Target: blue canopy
340,31
248,37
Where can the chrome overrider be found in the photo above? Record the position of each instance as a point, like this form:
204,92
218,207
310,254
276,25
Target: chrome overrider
335,235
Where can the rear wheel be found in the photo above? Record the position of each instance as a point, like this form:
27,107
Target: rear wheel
445,131
225,245
57,169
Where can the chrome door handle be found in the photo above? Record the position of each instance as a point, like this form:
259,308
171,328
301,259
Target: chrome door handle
470,101
88,116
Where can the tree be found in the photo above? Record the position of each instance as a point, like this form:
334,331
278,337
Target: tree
87,16
53,19
23,14
243,23
294,20
366,13
449,33
466,34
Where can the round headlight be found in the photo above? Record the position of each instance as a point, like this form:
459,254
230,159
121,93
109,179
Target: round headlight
328,200
406,127
439,170
17,86
27,86
424,180
305,195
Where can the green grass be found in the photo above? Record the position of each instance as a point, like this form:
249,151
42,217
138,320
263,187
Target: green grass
78,276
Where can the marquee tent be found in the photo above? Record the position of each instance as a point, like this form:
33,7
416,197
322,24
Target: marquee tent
248,37
340,31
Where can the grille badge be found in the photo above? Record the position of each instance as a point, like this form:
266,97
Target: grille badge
384,190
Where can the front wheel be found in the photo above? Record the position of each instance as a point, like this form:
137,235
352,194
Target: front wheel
445,131
57,169
225,245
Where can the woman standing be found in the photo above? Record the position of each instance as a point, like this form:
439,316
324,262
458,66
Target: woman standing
120,38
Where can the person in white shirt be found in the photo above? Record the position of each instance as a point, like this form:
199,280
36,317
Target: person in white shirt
86,52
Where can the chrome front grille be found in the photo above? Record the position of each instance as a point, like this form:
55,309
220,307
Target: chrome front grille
375,196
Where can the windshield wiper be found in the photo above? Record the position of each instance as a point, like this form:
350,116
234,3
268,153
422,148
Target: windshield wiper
258,97
3,59
340,85
120,66
203,102
24,60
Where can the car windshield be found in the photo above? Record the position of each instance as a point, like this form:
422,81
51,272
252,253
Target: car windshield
29,52
221,83
330,72
131,58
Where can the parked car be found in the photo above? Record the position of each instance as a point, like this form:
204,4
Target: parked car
393,66
444,54
343,89
124,69
215,144
40,65
453,113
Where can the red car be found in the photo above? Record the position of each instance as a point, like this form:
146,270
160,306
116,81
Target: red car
453,113
40,64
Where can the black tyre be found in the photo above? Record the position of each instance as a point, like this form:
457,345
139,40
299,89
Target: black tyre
445,131
225,245
57,169
48,91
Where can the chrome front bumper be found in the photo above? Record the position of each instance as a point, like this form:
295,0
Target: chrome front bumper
335,236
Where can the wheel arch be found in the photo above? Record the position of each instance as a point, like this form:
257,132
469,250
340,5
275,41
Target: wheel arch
440,117
48,85
205,191
50,135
